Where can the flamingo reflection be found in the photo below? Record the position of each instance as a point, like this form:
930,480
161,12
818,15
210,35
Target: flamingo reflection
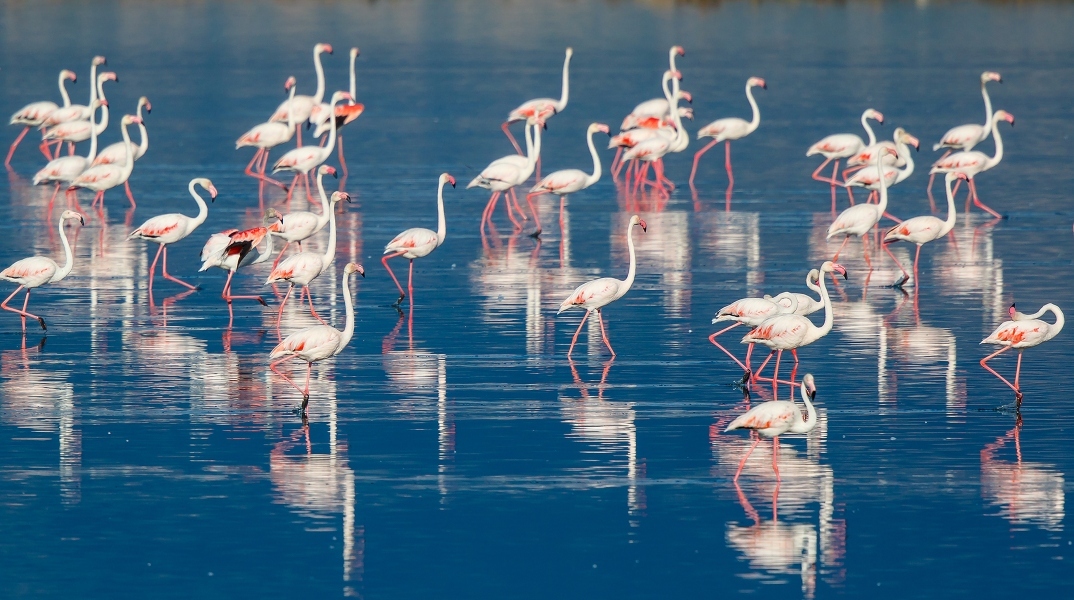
1025,493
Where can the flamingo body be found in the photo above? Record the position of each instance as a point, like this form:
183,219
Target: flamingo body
415,242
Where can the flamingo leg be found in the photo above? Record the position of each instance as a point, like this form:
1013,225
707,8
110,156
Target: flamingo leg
22,313
309,296
265,178
279,313
615,166
511,213
255,160
275,364
384,261
865,245
279,256
775,457
917,257
977,201
227,295
845,240
506,127
15,144
172,277
742,463
574,340
306,392
514,199
697,159
342,160
604,334
410,282
905,275
153,268
932,178
712,338
757,375
130,196
727,164
984,363
533,211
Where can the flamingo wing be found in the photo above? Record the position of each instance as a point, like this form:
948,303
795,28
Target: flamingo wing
593,294
776,415
853,219
312,344
918,230
30,271
1019,334
561,181
748,310
349,112
781,331
158,226
963,136
839,145
410,239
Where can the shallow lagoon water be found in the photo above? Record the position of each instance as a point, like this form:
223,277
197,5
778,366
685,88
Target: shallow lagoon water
455,451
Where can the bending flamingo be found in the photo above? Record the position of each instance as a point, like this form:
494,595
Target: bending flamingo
789,331
651,151
172,227
265,137
773,419
319,342
540,108
36,271
302,268
297,109
922,230
729,129
105,177
860,218
298,226
595,295
301,161
974,162
752,312
418,241
1021,332
965,137
229,250
869,178
567,181
843,145
35,113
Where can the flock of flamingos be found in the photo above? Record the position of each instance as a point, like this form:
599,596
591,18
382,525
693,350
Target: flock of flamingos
651,131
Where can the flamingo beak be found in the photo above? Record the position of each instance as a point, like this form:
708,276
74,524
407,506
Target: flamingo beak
360,270
1011,311
812,393
212,193
642,223
83,222
451,180
915,143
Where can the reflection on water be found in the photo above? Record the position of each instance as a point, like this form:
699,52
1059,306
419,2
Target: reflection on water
731,241
1025,493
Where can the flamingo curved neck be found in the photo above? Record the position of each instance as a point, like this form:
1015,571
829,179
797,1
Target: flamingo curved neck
69,261
629,281
93,82
143,144
810,421
591,179
100,88
203,210
868,128
319,96
988,108
128,163
348,303
326,208
332,131
756,120
441,221
330,252
815,333
564,94
536,153
904,152
998,156
668,95
814,274
103,124
949,222
529,141
93,136
1053,329
290,112
267,253
354,80
671,58
883,205
63,90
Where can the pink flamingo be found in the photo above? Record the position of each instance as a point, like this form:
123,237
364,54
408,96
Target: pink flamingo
35,113
504,173
651,151
774,418
78,112
172,227
76,130
343,114
540,108
319,342
117,152
302,268
730,129
655,108
36,271
638,126
65,169
105,177
790,331
298,226
595,295
567,181
418,242
301,161
1021,332
869,179
752,312
843,145
965,137
974,162
297,109
229,250
922,230
860,218
267,136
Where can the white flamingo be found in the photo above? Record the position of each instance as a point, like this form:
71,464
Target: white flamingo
35,113
773,419
170,228
541,108
418,242
300,225
36,271
567,181
301,161
730,129
265,137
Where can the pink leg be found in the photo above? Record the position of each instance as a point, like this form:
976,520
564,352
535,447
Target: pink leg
309,296
518,209
507,130
917,257
489,209
171,277
984,363
757,375
130,196
384,261
279,313
285,377
228,296
742,463
298,135
845,240
712,338
533,211
153,269
510,212
775,457
977,201
410,282
727,164
905,275
574,340
23,313
865,245
342,160
932,178
604,334
15,144
617,162
279,256
697,158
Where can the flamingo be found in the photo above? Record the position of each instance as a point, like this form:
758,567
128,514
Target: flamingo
540,108
843,145
302,160
974,162
567,181
65,169
653,150
319,342
752,312
297,109
595,295
78,112
790,331
860,218
304,267
774,418
343,114
729,129
646,126
117,152
298,226
869,179
232,249
172,227
504,173
267,136
1021,332
77,130
35,113
36,271
801,304
922,230
418,242
655,108
965,137
105,177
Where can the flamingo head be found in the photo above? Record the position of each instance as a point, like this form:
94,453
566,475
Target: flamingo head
685,95
354,53
99,60
678,50
98,102
70,214
872,113
810,386
319,48
66,74
991,76
1004,116
569,52
326,170
143,101
130,119
446,178
676,74
601,127
108,76
830,267
354,268
636,220
906,138
340,96
337,196
686,113
757,82
290,83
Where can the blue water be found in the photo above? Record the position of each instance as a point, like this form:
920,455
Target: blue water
455,452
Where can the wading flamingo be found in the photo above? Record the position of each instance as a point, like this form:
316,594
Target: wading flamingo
869,178
418,241
35,113
36,271
297,109
752,312
965,137
730,129
301,161
265,137
77,130
651,151
302,268
65,169
504,173
974,162
773,419
860,218
567,181
229,250
790,332
922,230
105,177
319,342
540,108
1021,332
78,112
638,129
595,295
298,226
840,146
655,108
343,114
172,227
117,152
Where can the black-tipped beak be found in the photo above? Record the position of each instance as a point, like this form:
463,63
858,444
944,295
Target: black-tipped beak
334,175
452,184
812,395
846,274
82,221
765,86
